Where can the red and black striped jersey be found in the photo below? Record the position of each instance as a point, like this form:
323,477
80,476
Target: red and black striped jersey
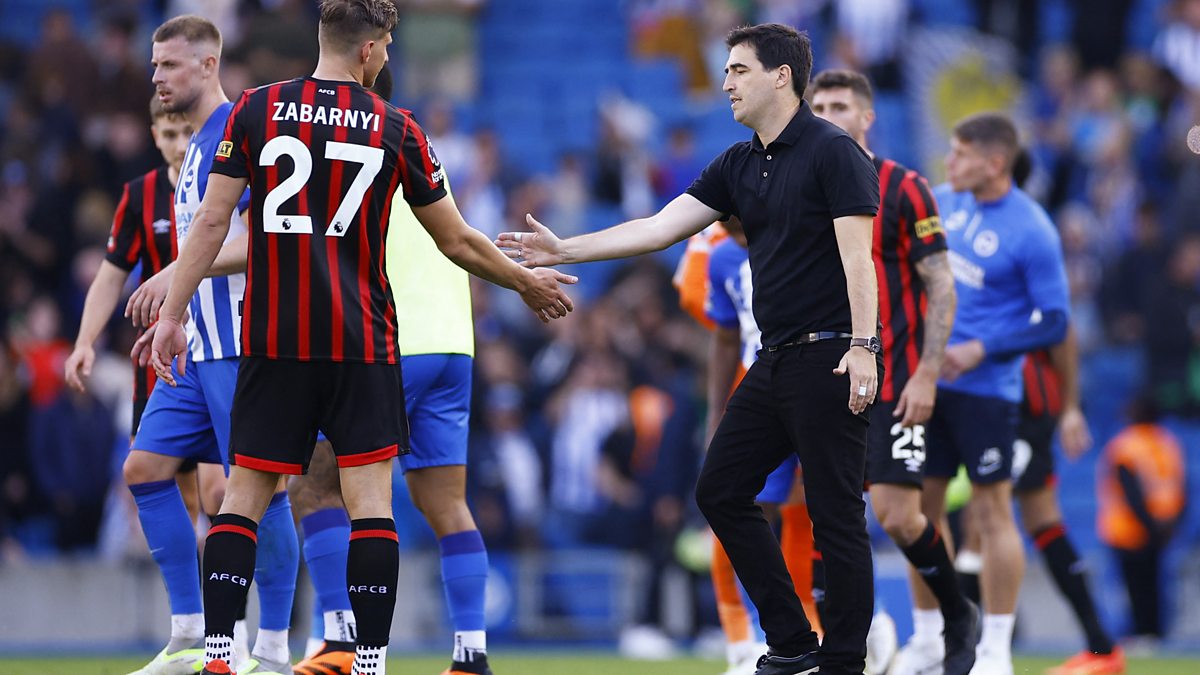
907,228
323,159
143,228
1043,388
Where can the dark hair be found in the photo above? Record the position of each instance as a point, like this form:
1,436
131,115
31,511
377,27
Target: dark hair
840,78
1022,167
775,45
990,128
350,22
383,84
1144,409
191,28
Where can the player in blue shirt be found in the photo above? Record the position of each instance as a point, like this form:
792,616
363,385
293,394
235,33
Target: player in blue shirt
191,419
1012,299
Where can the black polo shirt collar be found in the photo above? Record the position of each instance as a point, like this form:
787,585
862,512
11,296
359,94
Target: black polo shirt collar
792,132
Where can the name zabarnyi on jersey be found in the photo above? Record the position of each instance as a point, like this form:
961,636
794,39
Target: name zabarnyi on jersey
318,114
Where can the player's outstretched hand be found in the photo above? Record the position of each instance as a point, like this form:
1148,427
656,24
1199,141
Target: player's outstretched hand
143,305
864,377
538,248
79,367
168,347
545,297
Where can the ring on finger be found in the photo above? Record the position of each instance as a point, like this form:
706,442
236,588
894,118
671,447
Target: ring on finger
862,390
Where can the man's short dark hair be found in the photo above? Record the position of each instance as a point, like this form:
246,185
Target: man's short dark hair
193,29
993,129
776,45
840,78
350,22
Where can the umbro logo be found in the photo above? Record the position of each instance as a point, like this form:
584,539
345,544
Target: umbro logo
161,226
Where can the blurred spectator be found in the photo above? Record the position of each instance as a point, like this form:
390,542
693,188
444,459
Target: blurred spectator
71,442
43,351
870,34
1098,31
678,166
279,42
1179,41
478,190
1171,344
61,63
1129,283
122,73
16,496
1141,497
454,148
586,410
671,29
438,45
506,473
568,195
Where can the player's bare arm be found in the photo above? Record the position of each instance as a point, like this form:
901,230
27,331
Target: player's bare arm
208,231
142,308
854,246
681,218
724,356
915,404
1072,425
470,249
102,298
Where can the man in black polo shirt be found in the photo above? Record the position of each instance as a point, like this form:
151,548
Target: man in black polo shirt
806,194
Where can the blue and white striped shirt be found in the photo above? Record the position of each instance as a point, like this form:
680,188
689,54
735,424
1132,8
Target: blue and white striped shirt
215,329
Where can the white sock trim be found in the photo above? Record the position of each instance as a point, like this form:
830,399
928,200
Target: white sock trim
340,625
467,643
272,645
187,626
997,634
928,624
369,660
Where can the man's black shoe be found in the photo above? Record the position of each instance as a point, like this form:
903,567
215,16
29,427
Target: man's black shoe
962,636
774,664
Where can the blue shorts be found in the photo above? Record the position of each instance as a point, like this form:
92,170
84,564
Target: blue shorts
976,431
779,482
437,395
191,420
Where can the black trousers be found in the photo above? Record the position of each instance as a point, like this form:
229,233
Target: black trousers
790,401
1140,567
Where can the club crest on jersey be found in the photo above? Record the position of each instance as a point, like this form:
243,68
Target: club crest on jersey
986,243
225,149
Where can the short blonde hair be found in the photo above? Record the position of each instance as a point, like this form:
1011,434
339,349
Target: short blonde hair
193,29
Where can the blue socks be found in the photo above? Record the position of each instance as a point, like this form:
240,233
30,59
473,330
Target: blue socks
326,545
277,563
172,540
464,576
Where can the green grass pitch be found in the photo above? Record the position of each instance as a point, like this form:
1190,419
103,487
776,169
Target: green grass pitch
545,664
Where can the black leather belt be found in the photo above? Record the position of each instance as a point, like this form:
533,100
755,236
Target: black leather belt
809,338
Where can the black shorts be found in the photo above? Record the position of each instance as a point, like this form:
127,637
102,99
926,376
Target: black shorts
976,431
895,454
1033,454
143,383
279,405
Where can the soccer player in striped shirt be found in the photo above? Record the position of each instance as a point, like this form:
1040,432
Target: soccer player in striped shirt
323,158
143,233
190,420
916,309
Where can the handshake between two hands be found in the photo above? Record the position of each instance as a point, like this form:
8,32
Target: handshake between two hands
164,343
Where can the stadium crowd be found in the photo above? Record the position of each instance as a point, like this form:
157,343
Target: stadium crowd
588,431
